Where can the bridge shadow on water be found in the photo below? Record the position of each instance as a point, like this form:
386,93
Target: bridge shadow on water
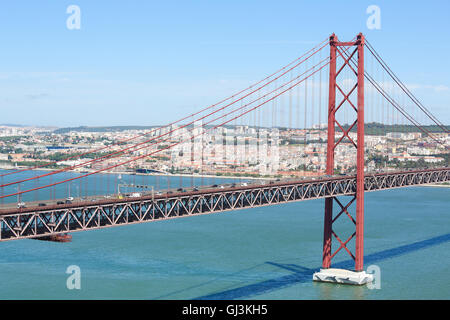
301,274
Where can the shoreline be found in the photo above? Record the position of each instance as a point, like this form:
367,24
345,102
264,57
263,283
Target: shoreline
150,174
184,175
434,185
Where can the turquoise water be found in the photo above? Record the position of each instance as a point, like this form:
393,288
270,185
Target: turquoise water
261,253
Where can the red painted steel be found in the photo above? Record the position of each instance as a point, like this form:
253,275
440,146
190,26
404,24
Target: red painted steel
359,259
326,257
359,145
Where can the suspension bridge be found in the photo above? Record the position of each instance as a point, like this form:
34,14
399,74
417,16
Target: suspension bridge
360,135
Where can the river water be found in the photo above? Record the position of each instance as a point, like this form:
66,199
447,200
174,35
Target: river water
260,253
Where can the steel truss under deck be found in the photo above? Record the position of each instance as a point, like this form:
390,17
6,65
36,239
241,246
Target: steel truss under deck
38,221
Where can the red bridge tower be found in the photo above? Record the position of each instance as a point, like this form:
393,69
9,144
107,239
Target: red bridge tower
347,53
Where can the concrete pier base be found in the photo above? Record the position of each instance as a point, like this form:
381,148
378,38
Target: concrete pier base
343,276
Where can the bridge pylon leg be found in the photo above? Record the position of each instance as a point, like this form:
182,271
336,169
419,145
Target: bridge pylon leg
327,273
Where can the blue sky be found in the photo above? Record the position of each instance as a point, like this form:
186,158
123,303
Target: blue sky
149,62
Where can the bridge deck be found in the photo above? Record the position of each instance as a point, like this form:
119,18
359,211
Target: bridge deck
38,221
